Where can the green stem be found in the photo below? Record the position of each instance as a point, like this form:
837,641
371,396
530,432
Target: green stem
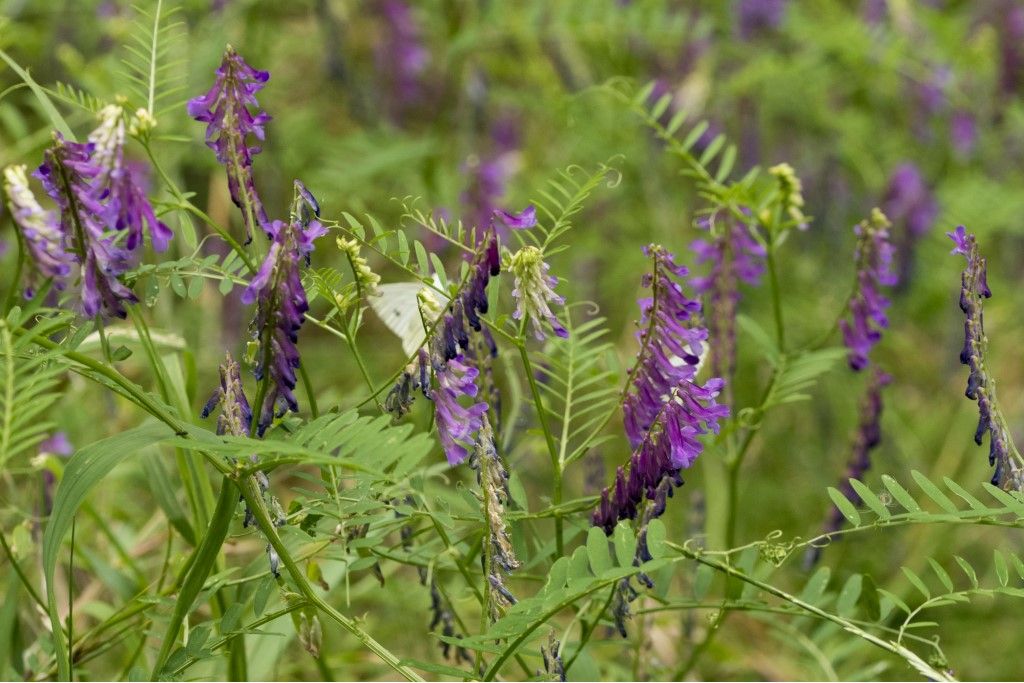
780,328
16,277
21,573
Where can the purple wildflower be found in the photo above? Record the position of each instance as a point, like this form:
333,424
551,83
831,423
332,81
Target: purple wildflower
235,414
1003,454
44,239
281,310
733,255
665,411
68,173
126,205
450,351
534,291
866,439
873,257
909,202
757,17
230,121
670,348
527,218
669,446
1010,26
402,59
488,174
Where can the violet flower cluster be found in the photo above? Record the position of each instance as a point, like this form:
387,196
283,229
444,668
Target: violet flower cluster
734,256
281,307
865,440
233,115
911,207
401,58
665,410
1002,454
68,174
458,425
873,257
488,174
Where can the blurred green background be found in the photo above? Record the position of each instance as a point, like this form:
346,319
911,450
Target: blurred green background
470,105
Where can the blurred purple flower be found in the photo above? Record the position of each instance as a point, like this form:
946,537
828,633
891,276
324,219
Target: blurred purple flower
226,111
401,57
68,173
1010,28
963,130
733,255
757,17
873,257
280,312
911,207
488,173
44,239
1003,454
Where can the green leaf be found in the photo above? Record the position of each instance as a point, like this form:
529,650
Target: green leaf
900,494
968,570
869,599
702,581
1002,571
916,581
625,545
846,603
844,506
933,492
973,502
84,470
942,574
816,585
597,550
656,539
870,500
47,105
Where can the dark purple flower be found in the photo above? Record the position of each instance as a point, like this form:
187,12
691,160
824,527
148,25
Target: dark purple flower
866,439
1003,454
873,257
756,17
671,344
68,174
669,446
235,414
451,352
281,309
734,255
232,114
44,239
402,58
126,204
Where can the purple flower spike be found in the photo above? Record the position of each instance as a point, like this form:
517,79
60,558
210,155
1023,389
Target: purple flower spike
232,114
127,207
867,306
756,17
734,255
665,411
281,307
1003,454
401,58
527,218
909,202
457,425
670,344
68,174
44,238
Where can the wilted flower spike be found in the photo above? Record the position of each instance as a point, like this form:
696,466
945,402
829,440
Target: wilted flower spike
867,306
866,439
534,291
981,387
44,238
127,207
235,414
67,174
232,114
791,190
281,310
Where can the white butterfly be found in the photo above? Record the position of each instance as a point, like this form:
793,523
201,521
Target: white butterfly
397,304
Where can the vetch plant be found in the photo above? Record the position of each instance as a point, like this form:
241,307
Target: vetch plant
454,447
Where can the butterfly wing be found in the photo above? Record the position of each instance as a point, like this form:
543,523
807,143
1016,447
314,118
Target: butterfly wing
398,308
